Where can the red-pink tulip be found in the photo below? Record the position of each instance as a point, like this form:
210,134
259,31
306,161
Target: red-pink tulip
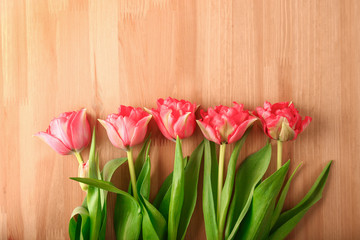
281,121
68,133
127,128
225,124
175,118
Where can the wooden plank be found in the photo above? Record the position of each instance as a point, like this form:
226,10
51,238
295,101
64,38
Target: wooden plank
57,56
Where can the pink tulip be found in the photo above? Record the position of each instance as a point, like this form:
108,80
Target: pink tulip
281,121
68,133
127,128
175,118
225,124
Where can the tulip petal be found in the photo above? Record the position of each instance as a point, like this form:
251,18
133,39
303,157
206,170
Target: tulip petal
208,132
120,126
240,130
54,143
129,127
60,129
113,135
225,129
168,121
80,130
286,132
140,131
274,126
306,122
161,126
183,127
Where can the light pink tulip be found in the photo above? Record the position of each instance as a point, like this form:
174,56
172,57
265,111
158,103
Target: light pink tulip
68,133
175,118
225,124
126,128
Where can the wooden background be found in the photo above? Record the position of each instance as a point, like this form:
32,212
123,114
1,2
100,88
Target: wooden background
61,55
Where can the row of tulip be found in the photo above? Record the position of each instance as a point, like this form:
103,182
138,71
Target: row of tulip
244,207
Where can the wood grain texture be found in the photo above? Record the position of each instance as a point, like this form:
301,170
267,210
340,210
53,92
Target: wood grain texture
61,55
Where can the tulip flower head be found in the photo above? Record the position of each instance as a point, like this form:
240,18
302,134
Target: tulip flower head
126,128
69,133
225,124
281,121
175,118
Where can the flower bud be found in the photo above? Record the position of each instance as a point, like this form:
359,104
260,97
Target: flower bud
84,173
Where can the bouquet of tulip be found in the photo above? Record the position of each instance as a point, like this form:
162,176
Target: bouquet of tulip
244,207
253,211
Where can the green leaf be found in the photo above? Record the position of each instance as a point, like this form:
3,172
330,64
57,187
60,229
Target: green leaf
250,172
282,197
209,190
162,200
79,229
154,224
106,174
127,218
192,170
143,181
74,229
288,220
229,182
127,215
102,233
93,195
108,186
165,187
141,158
165,202
177,192
256,224
110,167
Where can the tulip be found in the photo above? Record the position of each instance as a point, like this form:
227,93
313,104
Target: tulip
224,124
69,133
174,118
176,121
125,130
282,122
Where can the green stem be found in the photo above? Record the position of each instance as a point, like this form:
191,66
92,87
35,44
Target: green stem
132,173
279,154
220,180
79,157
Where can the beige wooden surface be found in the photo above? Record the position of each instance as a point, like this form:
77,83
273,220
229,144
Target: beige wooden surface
61,55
